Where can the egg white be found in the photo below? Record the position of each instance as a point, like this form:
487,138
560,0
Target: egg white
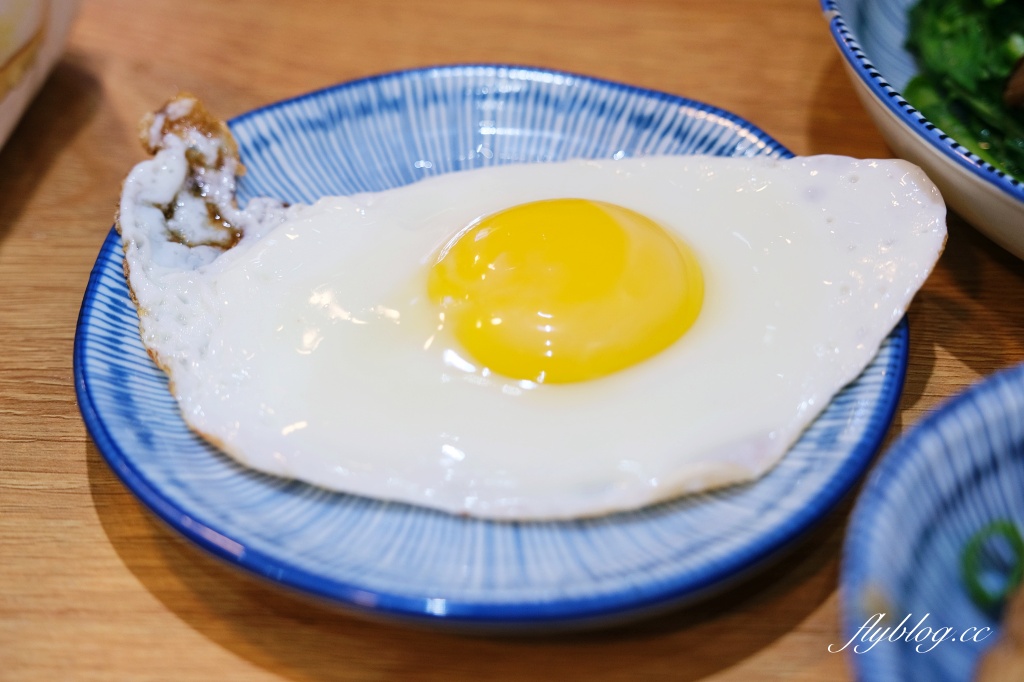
310,350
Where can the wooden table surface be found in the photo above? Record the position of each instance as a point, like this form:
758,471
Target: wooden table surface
92,587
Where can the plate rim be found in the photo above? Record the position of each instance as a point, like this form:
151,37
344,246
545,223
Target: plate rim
896,466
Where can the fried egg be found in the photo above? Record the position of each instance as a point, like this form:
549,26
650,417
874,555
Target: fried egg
540,341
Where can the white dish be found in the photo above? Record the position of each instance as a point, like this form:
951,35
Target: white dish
38,30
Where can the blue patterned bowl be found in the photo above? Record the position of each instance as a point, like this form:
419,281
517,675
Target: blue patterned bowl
870,36
409,563
960,469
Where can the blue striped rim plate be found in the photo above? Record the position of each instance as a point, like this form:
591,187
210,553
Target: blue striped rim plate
959,469
402,562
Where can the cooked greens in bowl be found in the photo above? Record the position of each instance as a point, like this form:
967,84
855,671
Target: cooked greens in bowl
880,56
971,75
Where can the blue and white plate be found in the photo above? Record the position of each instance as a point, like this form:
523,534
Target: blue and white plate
959,470
409,563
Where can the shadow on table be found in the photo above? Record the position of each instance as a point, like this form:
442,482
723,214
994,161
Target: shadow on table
300,639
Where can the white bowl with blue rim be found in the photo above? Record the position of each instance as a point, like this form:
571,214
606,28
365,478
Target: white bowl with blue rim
870,35
398,561
955,476
33,38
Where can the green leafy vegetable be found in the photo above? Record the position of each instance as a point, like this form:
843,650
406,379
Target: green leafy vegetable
966,52
981,559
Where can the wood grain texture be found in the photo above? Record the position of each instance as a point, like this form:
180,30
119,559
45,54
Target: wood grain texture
93,588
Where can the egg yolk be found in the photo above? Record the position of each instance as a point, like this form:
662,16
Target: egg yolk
565,290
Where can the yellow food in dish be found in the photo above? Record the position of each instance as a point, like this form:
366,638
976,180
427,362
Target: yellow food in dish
566,289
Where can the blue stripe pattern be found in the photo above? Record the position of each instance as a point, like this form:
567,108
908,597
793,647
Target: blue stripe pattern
409,563
959,469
